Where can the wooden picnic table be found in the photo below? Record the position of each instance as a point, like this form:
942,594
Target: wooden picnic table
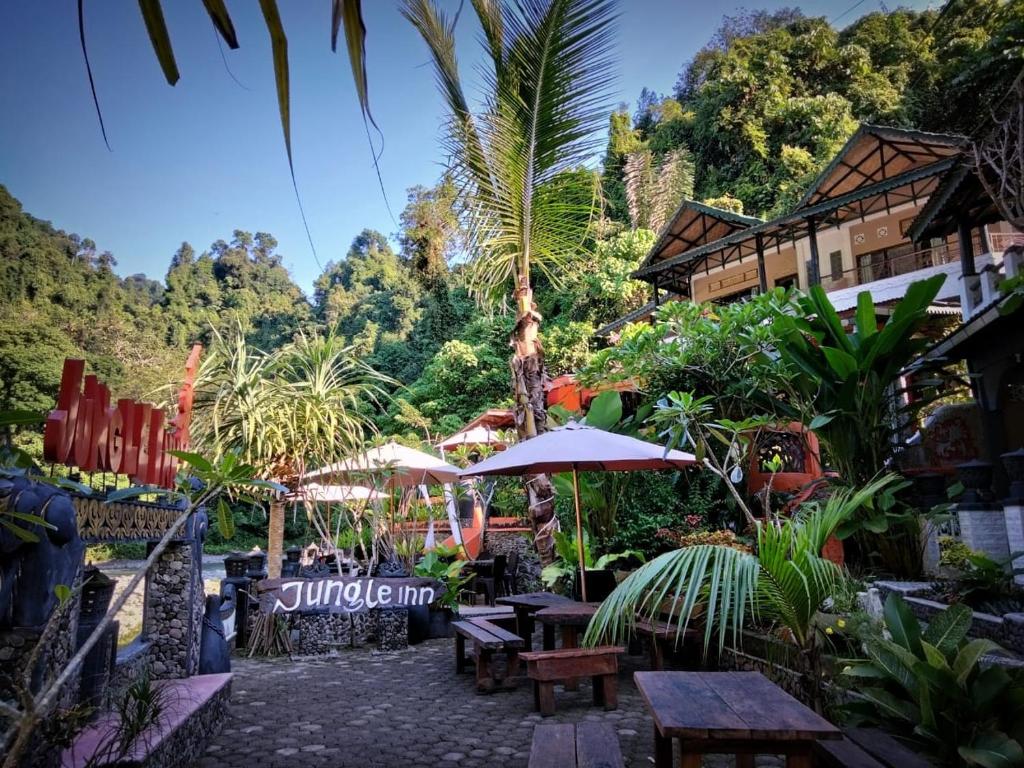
525,606
738,713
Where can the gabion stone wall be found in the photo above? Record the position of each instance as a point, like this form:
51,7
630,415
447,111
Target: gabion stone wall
1015,534
174,612
392,628
16,645
505,543
317,634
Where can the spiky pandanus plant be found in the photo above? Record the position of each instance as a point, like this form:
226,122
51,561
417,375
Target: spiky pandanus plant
302,406
544,102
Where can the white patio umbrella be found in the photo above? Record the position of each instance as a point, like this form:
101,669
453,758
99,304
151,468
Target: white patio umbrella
574,448
403,466
332,493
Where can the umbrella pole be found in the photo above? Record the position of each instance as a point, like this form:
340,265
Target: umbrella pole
579,533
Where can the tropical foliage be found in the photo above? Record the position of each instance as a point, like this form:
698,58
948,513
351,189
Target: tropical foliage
766,102
847,376
785,582
515,163
301,406
566,568
931,687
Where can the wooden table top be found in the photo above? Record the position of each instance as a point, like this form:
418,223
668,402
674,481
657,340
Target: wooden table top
569,612
532,600
728,705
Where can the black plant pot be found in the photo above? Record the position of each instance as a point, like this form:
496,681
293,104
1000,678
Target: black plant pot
440,623
419,623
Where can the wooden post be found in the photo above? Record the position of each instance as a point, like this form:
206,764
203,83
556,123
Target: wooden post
579,534
814,273
654,285
966,248
762,275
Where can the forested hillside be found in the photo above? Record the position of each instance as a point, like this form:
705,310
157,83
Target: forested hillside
767,102
755,114
406,312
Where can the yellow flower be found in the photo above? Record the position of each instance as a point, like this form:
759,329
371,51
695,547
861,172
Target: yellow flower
829,630
841,623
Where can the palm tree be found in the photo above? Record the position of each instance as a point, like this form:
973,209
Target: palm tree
544,105
305,404
785,582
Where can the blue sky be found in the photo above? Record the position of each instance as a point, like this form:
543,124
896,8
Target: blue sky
197,161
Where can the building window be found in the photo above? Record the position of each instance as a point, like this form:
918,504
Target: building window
789,281
836,262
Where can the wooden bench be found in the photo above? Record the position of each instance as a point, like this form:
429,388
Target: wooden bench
658,634
487,638
546,668
866,748
585,745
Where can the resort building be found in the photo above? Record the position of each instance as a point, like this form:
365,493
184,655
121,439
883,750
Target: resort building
860,227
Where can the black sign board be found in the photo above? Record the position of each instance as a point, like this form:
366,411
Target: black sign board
344,594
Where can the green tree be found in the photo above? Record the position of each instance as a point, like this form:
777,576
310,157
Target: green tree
298,407
430,228
548,69
371,296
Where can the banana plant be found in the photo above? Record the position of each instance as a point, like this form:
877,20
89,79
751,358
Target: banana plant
930,687
600,492
848,377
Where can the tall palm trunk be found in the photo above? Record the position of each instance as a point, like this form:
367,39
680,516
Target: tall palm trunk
530,408
275,539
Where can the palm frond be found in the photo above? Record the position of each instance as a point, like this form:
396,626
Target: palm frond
546,94
673,584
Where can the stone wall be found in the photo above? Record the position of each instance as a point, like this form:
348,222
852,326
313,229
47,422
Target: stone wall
174,612
132,661
318,634
315,634
1015,535
16,647
985,531
527,577
1006,630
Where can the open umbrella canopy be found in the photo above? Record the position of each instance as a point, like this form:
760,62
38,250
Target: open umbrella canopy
583,448
578,448
474,436
332,493
401,467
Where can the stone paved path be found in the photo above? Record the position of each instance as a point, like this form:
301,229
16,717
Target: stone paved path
408,709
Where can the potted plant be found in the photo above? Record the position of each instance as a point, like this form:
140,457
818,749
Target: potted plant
441,564
565,570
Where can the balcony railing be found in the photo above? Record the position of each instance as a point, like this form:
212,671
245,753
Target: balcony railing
881,266
1002,240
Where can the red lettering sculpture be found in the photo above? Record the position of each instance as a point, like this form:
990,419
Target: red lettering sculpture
85,431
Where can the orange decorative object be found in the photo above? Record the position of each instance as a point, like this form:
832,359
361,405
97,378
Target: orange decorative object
85,431
833,550
801,459
568,393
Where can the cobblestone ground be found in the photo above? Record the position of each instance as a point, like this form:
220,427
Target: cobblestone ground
363,709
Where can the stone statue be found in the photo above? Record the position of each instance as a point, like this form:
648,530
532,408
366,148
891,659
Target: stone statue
31,570
214,654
